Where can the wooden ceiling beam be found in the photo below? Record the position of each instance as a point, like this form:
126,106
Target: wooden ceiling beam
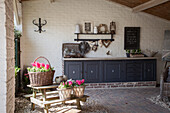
148,5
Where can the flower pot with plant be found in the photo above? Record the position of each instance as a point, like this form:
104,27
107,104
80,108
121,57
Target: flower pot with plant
79,87
65,90
40,74
127,52
136,53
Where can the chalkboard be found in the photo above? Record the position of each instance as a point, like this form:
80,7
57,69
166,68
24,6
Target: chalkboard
132,37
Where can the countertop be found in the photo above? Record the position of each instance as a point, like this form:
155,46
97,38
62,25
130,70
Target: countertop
109,58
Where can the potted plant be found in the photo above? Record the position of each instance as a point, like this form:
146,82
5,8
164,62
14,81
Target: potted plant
78,88
65,90
41,74
16,80
127,52
139,51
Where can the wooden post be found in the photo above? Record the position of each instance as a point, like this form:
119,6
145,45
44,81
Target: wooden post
43,91
78,104
63,103
46,108
34,95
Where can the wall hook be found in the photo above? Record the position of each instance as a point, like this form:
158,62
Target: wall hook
39,25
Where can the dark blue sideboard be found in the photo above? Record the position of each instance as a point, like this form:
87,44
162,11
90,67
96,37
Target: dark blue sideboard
97,71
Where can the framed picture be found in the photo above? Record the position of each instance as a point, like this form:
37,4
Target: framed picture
132,38
88,27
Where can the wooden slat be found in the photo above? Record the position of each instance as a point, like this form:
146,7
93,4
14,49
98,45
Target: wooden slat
57,101
148,5
43,87
162,11
36,101
40,94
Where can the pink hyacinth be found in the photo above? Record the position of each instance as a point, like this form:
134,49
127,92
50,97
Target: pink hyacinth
47,66
66,83
70,83
42,64
63,84
82,81
33,64
38,65
79,82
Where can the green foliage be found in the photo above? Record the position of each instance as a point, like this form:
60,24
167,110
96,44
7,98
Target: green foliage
133,51
139,51
42,69
17,33
127,50
64,85
16,70
26,79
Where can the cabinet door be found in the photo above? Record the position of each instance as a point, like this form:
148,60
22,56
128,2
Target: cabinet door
92,71
134,70
149,70
73,70
113,71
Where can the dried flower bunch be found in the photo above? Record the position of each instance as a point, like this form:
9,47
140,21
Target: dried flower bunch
39,67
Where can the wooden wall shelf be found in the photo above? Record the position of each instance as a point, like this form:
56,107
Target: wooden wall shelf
111,39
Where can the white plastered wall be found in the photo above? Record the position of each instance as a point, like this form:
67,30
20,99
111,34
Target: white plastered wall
63,15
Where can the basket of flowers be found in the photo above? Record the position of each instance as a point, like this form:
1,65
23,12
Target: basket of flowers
65,90
41,74
79,87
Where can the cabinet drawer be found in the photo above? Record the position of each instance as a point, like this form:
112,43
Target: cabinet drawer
149,70
113,71
134,70
134,75
134,65
73,70
92,71
134,78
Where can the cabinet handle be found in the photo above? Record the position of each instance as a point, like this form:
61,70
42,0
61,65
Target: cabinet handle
91,71
74,72
113,71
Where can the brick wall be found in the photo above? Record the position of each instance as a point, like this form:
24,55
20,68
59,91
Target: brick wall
121,85
63,15
7,76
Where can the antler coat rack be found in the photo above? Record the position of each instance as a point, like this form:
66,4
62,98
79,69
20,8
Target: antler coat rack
39,25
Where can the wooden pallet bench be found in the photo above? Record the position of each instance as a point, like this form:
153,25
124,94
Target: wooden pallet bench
45,100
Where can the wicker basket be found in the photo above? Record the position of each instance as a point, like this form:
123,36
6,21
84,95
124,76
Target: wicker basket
78,91
41,78
65,94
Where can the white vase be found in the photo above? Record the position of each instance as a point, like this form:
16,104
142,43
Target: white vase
95,30
77,29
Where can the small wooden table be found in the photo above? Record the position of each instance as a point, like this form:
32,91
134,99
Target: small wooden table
46,102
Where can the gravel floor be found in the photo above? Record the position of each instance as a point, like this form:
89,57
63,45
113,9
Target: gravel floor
22,105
